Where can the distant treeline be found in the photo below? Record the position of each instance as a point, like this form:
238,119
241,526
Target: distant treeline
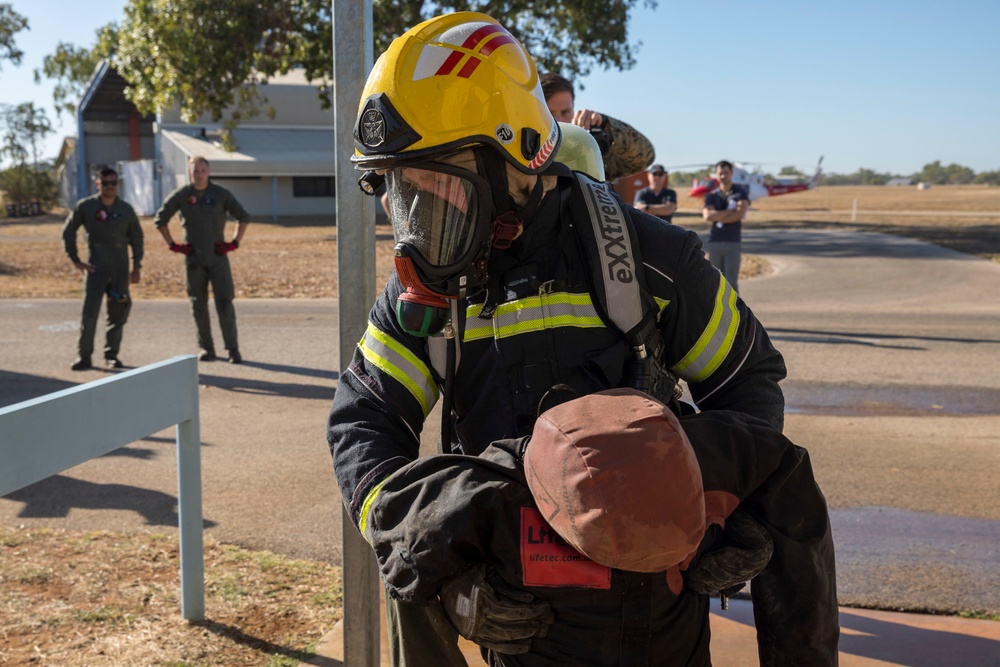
934,173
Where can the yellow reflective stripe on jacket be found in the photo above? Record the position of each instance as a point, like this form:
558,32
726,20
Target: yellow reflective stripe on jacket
716,340
392,358
534,313
366,507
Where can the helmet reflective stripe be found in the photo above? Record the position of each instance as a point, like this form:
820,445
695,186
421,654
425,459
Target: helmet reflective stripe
535,313
716,340
469,43
393,359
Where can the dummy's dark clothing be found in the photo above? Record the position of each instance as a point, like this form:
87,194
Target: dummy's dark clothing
203,218
442,514
109,231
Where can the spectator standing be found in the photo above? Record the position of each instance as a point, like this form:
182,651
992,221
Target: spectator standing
725,208
202,207
110,226
657,199
625,149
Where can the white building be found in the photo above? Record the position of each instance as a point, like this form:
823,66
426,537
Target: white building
283,164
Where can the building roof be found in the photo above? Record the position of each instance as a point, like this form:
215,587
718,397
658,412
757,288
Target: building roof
264,152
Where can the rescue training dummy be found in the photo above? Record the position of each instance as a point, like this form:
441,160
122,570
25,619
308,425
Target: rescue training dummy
597,517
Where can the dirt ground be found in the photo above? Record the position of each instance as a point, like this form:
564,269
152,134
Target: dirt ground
297,258
96,599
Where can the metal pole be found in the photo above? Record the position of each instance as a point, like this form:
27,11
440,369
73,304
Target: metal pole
190,517
352,60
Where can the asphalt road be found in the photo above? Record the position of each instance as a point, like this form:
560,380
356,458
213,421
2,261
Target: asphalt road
893,349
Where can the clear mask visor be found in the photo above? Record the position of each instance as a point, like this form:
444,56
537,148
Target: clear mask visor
434,211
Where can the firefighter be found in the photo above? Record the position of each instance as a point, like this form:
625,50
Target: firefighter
599,515
203,206
497,296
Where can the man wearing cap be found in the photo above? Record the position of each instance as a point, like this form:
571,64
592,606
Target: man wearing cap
657,199
598,516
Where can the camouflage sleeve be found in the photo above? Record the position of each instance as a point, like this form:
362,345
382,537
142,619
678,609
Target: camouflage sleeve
630,151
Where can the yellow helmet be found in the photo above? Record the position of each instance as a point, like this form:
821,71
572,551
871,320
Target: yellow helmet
451,82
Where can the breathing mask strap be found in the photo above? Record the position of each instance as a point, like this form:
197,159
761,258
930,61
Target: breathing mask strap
507,219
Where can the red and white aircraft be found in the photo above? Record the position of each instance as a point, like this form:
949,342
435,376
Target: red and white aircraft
756,184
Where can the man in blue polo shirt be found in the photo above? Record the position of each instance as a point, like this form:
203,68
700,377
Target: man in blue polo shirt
657,199
725,208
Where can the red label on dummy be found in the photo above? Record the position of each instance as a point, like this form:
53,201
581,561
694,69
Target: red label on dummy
548,560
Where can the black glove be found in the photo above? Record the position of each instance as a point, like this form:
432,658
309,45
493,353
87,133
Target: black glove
486,610
182,248
737,556
221,247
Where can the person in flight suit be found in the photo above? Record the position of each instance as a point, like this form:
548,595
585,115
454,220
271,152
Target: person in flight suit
203,206
110,226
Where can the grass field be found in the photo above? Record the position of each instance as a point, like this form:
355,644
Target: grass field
298,258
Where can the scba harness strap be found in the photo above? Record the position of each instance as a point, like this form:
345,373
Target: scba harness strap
617,283
618,280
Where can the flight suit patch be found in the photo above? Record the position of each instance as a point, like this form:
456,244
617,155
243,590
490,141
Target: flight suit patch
548,560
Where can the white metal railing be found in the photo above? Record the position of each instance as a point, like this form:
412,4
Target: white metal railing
46,435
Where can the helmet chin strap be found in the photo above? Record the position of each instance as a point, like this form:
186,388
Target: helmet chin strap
507,218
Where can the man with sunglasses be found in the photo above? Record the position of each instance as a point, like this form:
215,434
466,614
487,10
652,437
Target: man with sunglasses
110,226
657,199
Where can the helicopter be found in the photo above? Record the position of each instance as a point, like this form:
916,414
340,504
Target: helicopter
756,183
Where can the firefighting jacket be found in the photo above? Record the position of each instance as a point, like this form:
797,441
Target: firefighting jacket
546,330
442,514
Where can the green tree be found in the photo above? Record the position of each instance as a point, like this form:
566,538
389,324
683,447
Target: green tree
987,178
11,23
207,55
24,127
72,66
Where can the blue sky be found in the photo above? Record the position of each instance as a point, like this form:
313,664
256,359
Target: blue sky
887,85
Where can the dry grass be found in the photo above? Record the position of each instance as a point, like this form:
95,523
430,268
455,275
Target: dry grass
298,259
72,599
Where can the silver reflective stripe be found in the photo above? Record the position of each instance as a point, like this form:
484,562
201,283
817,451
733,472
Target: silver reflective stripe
614,245
394,359
716,341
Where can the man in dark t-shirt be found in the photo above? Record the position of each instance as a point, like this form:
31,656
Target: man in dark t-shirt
657,199
725,208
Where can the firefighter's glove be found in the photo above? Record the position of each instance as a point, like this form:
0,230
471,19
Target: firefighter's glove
738,555
182,248
488,611
221,247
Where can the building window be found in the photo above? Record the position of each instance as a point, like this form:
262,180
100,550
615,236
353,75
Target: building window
313,186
